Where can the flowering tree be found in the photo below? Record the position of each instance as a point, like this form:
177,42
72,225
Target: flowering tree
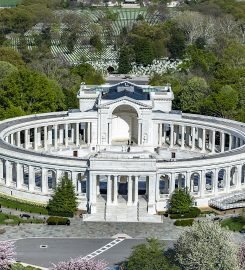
80,264
241,256
204,246
6,254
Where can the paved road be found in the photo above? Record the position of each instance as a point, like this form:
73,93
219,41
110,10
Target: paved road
29,250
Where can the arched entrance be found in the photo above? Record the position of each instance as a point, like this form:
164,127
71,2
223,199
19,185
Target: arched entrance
124,125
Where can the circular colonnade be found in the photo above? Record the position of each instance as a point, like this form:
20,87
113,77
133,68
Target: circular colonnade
32,163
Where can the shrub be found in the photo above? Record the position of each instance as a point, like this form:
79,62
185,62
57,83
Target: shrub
58,221
234,223
193,212
184,222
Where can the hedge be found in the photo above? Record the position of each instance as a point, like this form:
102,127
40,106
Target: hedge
194,212
58,221
60,214
184,222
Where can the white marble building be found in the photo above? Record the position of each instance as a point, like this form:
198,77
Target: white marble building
124,149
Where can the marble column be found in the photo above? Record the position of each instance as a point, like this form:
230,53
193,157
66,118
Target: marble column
230,142
171,136
164,134
172,182
129,202
1,169
215,175
151,195
92,193
66,135
9,172
27,138
204,140
213,141
45,137
239,176
193,141
202,183
77,134
18,143
222,141
182,137
19,175
115,189
89,132
44,180
108,197
160,134
35,139
136,184
31,178
55,136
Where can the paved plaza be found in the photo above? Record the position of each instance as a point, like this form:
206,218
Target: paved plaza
81,229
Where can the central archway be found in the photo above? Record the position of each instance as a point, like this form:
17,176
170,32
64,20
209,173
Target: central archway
124,125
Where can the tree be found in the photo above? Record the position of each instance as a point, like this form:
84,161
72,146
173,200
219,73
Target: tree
31,92
88,74
6,254
204,246
176,44
180,201
11,56
64,198
81,264
96,42
149,256
125,60
6,69
192,94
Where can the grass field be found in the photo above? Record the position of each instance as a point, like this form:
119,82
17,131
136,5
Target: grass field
11,219
9,3
234,224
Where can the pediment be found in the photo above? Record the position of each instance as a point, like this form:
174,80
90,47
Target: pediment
125,100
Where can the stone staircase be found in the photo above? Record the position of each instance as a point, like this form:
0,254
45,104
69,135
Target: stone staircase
122,212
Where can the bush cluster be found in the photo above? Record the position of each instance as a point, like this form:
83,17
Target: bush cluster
192,213
58,221
184,222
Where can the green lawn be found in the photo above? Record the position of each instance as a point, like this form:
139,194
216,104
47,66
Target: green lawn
13,220
9,3
13,203
234,224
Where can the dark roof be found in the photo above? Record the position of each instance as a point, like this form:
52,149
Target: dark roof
125,89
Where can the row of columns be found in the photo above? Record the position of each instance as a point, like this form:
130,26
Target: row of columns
193,137
53,135
17,179
238,179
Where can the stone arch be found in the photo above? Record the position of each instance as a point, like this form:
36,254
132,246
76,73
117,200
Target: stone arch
51,178
243,174
195,182
124,124
209,181
233,176
38,177
180,181
81,183
164,184
14,172
26,175
221,178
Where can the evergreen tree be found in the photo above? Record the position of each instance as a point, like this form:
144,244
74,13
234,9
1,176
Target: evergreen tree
180,202
64,198
125,59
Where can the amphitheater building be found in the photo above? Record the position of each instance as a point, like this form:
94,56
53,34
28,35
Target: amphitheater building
125,150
